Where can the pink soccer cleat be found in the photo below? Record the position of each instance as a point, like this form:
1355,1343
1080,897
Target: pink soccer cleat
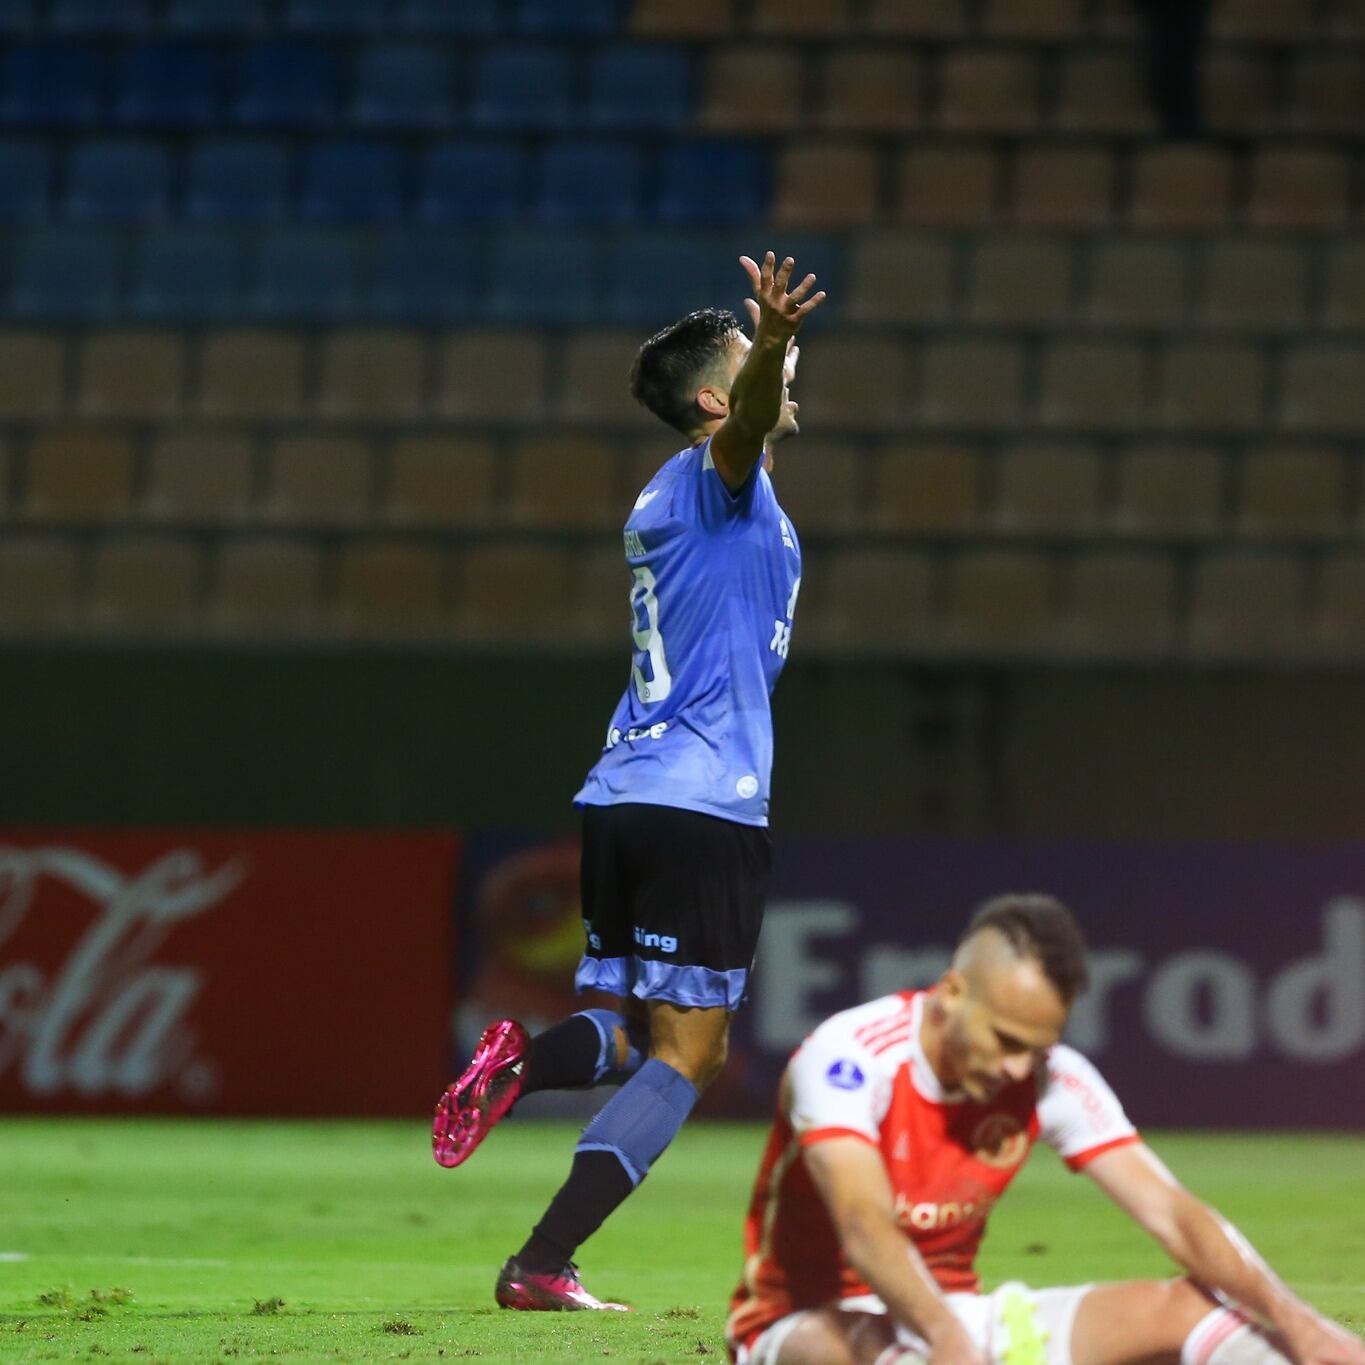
491,1083
561,1292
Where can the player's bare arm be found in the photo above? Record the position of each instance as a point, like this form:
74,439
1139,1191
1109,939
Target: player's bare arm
1216,1255
755,398
852,1181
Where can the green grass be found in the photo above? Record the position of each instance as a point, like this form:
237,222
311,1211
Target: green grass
204,1241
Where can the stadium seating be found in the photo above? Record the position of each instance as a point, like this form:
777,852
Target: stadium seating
49,84
26,176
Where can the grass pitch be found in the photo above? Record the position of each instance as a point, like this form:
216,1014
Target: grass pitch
198,1241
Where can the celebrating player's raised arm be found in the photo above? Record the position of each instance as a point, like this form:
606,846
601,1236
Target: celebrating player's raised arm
1216,1255
851,1177
755,399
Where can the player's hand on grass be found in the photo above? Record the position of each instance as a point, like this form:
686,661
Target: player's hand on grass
777,314
1314,1340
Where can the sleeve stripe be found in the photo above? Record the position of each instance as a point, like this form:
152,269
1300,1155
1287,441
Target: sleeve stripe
824,1134
1079,1160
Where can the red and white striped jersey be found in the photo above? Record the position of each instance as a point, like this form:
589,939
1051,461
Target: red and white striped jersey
863,1074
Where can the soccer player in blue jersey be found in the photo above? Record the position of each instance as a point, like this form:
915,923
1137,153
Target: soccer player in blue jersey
675,844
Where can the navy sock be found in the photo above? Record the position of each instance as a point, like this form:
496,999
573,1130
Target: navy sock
580,1052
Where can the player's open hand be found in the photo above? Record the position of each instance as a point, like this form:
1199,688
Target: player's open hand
776,313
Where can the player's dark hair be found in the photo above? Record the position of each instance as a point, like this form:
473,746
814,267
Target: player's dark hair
670,367
1042,928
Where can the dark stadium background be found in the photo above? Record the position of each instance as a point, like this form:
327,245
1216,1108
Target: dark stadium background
314,448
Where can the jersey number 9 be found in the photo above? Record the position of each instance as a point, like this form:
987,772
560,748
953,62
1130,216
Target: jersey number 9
653,682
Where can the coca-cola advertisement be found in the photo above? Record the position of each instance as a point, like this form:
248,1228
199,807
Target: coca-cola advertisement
224,972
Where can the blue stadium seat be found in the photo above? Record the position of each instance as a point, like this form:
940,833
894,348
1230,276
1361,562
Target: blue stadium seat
352,182
427,277
237,180
336,16
657,276
542,277
287,85
583,182
640,88
306,276
470,18
581,19
100,16
66,274
403,86
473,180
521,86
18,16
187,275
705,180
169,85
25,182
52,84
118,181
217,16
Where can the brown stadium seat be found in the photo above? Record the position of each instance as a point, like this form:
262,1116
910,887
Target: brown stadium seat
1020,279
819,483
803,18
1091,384
78,474
1048,489
1292,491
1323,388
1103,93
1002,600
948,185
880,600
318,480
1114,19
971,383
560,479
437,479
752,90
1181,187
1209,385
827,183
1299,189
1036,20
853,381
145,585
922,19
39,584
1254,282
1246,604
512,592
389,589
1338,625
1328,93
199,476
251,373
1138,281
1344,290
1121,602
32,374
599,597
373,374
898,276
1240,94
1063,187
987,91
493,374
1266,21
6,466
647,456
131,374
596,380
696,19
927,487
267,586
1343,18
870,90
1169,490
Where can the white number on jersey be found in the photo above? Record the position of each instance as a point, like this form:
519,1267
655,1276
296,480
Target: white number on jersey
659,683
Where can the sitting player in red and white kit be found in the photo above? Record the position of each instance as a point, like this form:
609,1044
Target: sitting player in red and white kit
900,1123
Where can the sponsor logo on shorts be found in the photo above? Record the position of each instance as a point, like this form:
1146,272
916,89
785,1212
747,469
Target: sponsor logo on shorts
665,943
846,1075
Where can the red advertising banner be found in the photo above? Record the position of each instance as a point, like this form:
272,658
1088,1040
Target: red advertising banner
224,972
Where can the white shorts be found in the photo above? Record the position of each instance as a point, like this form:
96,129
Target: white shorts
1032,1325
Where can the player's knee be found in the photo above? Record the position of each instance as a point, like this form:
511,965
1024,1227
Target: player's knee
700,1059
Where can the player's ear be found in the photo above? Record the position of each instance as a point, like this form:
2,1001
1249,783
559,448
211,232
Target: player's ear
713,402
952,988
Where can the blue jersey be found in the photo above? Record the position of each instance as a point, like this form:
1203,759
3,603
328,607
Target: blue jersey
715,576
